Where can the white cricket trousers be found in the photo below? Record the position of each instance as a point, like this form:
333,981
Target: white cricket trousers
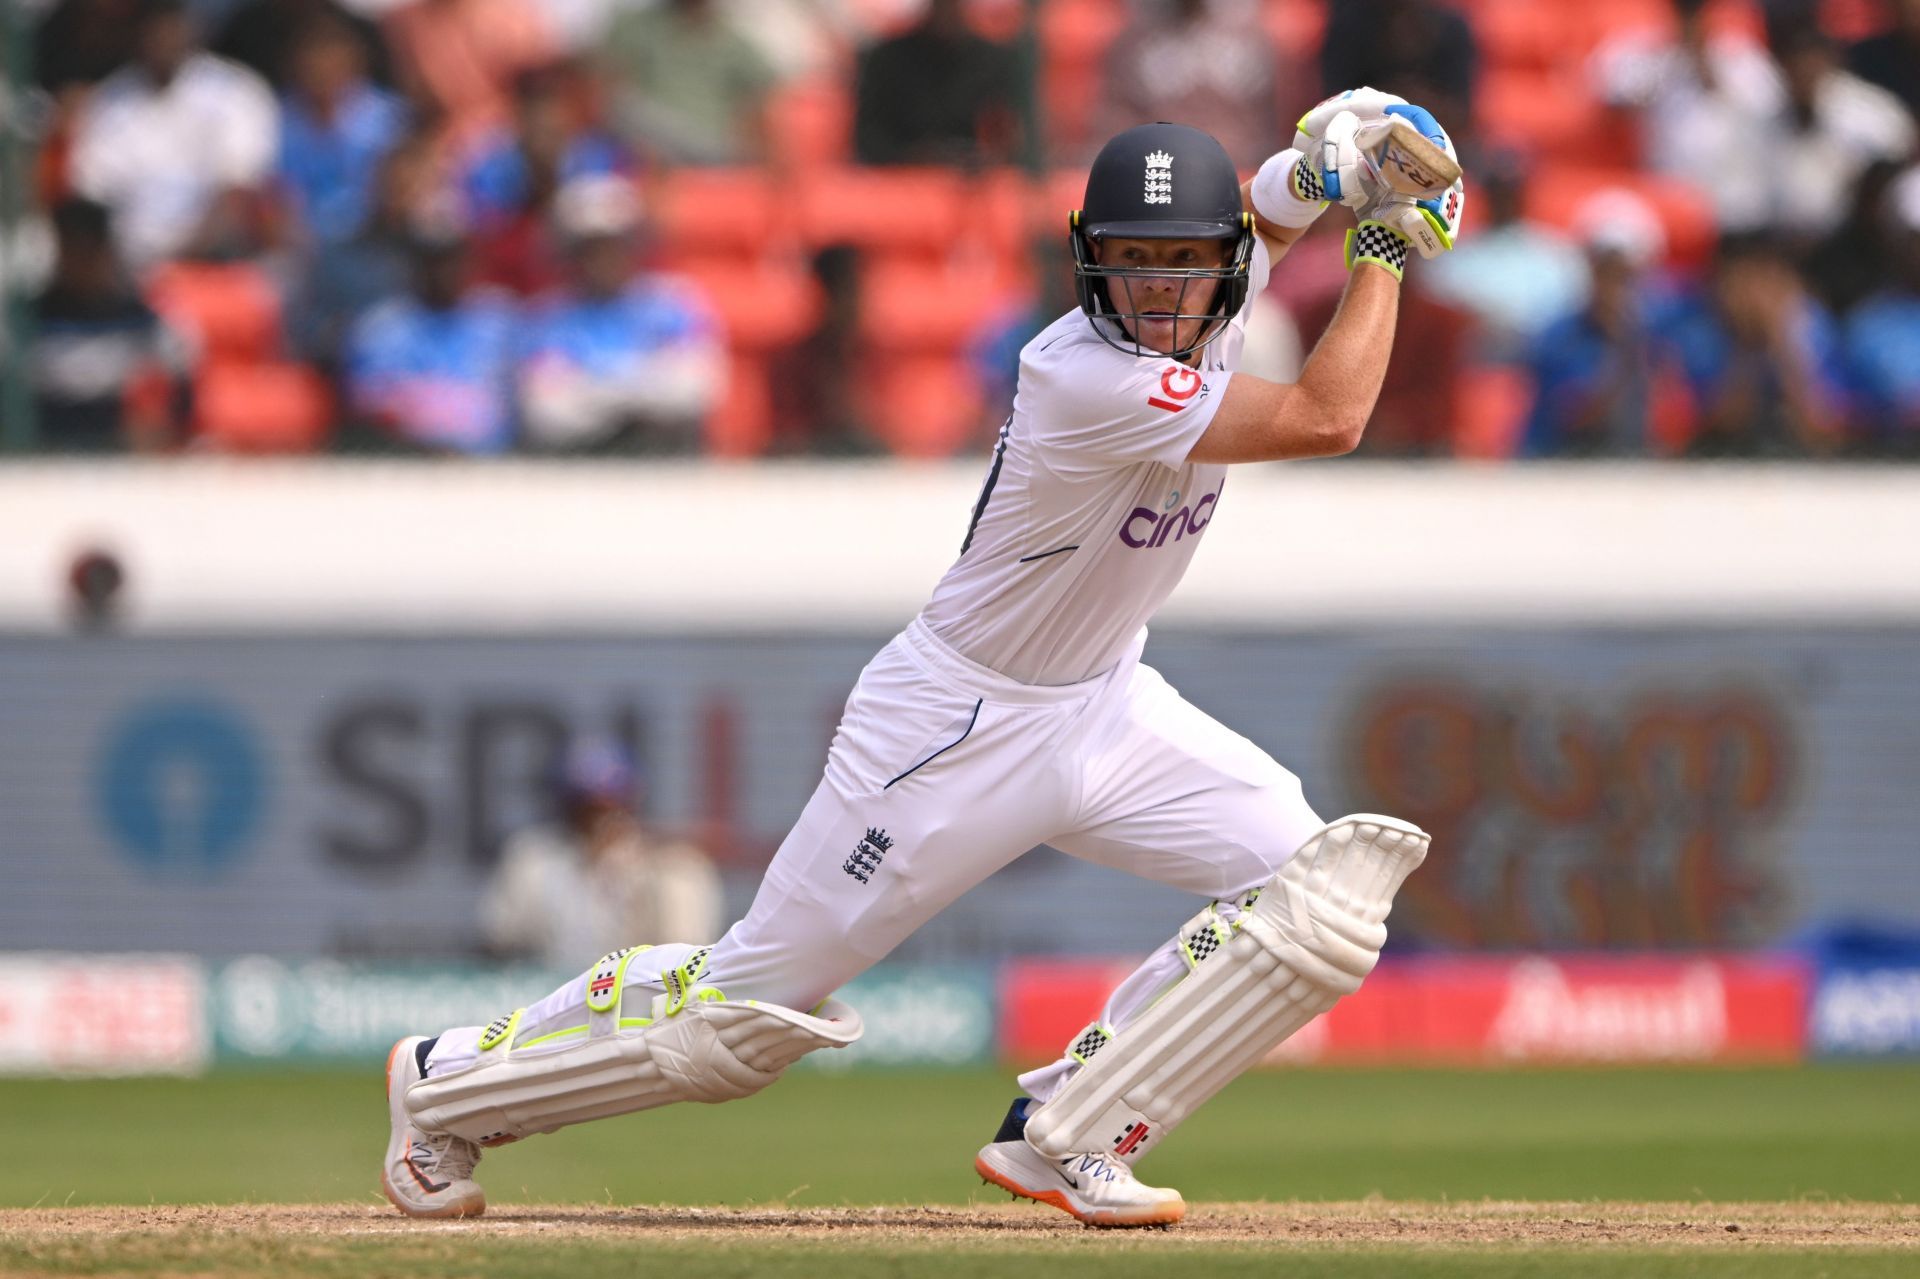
943,771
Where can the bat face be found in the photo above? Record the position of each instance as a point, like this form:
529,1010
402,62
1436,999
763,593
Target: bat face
1408,161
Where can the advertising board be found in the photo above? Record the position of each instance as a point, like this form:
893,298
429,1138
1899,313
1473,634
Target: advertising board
1486,1011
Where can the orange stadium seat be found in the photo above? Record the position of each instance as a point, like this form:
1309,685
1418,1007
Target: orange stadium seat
231,311
1522,33
906,209
1297,26
1851,20
1068,93
272,407
997,19
1606,19
1074,35
1493,405
810,122
1739,17
1555,194
924,405
1080,30
905,306
743,422
716,211
1533,110
1005,210
1065,191
762,302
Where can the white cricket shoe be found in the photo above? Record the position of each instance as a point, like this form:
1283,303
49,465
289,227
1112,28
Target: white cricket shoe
1097,1189
426,1174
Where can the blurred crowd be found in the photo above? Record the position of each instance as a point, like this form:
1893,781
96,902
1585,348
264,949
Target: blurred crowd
765,227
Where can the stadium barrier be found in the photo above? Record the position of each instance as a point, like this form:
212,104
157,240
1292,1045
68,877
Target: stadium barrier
1867,1000
1487,1011
98,1014
302,547
73,1015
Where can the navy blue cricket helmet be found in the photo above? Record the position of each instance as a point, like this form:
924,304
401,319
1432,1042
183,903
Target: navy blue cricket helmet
1161,182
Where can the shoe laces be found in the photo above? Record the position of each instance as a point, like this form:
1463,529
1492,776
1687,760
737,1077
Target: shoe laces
1098,1166
445,1155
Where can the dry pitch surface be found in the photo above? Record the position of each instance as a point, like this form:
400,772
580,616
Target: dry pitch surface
1501,1240
1593,1225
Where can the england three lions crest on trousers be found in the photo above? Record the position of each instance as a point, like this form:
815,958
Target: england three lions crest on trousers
867,854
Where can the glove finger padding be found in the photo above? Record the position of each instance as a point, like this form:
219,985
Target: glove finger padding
1345,170
1431,225
1365,102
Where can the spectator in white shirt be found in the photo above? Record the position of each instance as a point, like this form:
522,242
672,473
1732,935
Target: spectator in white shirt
178,143
1706,105
597,880
1833,125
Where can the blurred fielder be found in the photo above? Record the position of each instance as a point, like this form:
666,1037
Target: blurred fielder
1015,711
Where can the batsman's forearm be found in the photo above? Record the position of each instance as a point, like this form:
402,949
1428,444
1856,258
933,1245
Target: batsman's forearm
1324,411
1342,377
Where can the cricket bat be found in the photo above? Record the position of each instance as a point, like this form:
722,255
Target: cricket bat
1408,161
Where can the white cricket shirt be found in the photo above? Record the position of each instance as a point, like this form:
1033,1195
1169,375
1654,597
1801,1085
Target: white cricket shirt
1090,510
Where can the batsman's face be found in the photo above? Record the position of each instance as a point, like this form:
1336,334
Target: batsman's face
1148,295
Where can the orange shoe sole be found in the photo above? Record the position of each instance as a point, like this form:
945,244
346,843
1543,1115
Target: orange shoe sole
1163,1215
386,1187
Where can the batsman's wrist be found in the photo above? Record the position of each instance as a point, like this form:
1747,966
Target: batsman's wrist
1287,191
1380,244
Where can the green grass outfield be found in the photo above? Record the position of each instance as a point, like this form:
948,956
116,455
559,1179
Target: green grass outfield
1839,1133
1843,1132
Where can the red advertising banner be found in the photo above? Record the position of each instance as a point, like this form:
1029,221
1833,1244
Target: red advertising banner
1445,1010
102,1014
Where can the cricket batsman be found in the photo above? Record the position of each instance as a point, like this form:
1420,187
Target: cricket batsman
1015,711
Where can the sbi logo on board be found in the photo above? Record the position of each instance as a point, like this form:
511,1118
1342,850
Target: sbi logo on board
181,786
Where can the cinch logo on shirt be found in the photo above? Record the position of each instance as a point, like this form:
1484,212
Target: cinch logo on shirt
1148,527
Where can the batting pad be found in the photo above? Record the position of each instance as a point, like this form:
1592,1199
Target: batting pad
1312,935
696,1046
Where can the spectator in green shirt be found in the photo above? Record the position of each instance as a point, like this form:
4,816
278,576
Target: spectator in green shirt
691,89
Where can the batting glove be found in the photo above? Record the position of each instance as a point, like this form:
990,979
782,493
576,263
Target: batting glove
1348,173
1367,105
1429,223
1432,225
1378,243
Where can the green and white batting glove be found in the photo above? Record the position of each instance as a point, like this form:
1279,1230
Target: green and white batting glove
1390,226
1367,104
1430,223
1431,226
